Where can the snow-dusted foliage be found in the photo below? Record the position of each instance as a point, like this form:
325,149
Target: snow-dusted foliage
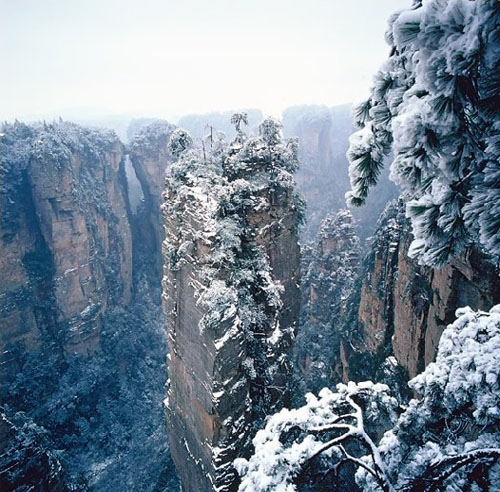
446,439
455,422
55,142
83,405
28,458
180,140
270,131
238,118
326,285
323,177
150,136
223,204
325,424
231,180
197,124
435,105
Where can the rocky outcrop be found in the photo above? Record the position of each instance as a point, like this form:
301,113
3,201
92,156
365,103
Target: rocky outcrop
231,300
328,280
65,239
323,133
322,176
470,280
83,333
401,308
149,156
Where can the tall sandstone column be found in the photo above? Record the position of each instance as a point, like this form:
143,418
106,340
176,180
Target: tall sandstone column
65,239
149,158
231,297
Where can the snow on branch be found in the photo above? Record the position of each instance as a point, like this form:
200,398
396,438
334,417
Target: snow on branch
434,107
434,444
328,422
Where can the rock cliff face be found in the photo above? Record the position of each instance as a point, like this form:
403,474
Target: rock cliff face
323,133
231,299
322,176
149,157
65,239
328,280
401,308
83,334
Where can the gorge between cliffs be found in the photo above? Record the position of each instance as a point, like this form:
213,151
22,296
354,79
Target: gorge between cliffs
88,232
305,299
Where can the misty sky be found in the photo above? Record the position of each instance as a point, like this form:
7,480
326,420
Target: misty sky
172,57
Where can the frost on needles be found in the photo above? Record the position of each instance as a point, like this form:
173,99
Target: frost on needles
447,439
435,104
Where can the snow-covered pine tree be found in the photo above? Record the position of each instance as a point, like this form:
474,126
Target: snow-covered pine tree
448,439
180,140
445,440
237,119
436,104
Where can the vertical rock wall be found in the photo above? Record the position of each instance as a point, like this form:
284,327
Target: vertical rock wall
65,237
401,308
323,134
149,157
322,176
82,333
231,299
327,283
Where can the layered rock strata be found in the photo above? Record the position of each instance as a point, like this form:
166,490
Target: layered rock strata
65,237
401,308
149,156
82,331
231,299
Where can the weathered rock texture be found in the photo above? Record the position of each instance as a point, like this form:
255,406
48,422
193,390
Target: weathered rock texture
322,176
82,329
323,133
149,156
65,236
231,299
401,308
328,279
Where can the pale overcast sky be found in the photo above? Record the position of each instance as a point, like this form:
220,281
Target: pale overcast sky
172,57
